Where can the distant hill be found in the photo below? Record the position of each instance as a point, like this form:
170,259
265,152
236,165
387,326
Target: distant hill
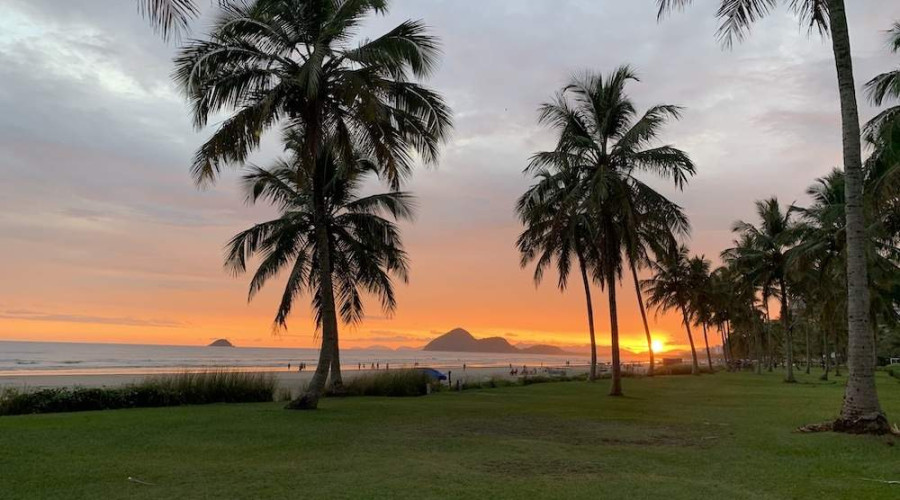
221,343
459,340
544,349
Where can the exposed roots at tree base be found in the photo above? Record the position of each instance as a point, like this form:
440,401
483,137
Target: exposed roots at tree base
874,424
304,402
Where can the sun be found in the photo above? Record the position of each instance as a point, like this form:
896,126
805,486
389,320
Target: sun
657,346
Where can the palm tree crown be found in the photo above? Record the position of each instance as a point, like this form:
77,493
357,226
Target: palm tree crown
365,247
289,63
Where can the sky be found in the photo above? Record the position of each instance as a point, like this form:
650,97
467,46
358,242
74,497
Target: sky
104,238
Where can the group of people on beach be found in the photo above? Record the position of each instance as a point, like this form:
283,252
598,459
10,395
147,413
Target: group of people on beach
300,367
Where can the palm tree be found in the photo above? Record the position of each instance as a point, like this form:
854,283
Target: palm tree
653,224
670,287
601,135
170,18
860,410
766,259
363,244
701,298
291,64
558,228
883,87
745,287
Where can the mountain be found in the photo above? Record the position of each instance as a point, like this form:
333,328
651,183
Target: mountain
459,340
544,349
221,343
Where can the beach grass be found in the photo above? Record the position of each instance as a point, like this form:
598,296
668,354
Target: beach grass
186,388
719,436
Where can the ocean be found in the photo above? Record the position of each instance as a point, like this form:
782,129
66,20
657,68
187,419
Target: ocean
63,358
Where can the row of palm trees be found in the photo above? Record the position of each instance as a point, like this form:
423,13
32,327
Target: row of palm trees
289,64
589,206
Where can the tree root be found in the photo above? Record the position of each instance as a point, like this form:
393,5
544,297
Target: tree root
304,402
874,424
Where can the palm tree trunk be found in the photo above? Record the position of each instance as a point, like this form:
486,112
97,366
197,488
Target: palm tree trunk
695,367
770,364
788,334
590,313
310,400
826,354
706,341
759,349
640,299
861,411
337,381
808,354
616,387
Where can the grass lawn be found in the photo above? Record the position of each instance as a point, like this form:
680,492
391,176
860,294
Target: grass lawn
719,436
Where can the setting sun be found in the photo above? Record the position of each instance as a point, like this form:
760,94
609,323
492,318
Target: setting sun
657,346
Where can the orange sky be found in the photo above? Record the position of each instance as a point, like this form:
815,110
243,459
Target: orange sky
103,237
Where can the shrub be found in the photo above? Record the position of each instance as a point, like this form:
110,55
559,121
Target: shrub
394,383
164,390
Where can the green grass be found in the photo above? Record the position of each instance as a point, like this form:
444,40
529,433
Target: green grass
715,436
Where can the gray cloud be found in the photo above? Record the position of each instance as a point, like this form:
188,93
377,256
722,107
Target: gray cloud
95,140
27,315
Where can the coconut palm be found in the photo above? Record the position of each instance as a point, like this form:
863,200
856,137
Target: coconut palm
291,64
653,224
558,228
363,244
882,88
601,135
169,17
701,304
823,245
746,288
670,288
766,259
860,410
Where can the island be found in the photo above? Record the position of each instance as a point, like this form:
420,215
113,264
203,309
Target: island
460,340
221,343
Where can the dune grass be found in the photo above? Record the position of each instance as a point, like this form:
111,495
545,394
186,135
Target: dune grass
716,436
187,388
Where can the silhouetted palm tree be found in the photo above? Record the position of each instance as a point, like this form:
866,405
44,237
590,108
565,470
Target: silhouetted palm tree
291,64
363,245
558,228
670,287
601,135
766,259
860,410
701,298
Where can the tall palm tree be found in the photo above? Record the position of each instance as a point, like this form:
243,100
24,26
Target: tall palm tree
558,228
746,289
363,244
766,259
291,64
602,136
670,287
652,226
860,410
701,298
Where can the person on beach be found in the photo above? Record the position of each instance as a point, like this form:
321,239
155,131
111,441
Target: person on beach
387,366
289,367
464,367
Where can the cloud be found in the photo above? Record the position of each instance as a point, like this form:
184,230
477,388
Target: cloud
95,143
27,315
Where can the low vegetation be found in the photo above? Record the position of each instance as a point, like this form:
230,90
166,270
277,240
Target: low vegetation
393,383
189,388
